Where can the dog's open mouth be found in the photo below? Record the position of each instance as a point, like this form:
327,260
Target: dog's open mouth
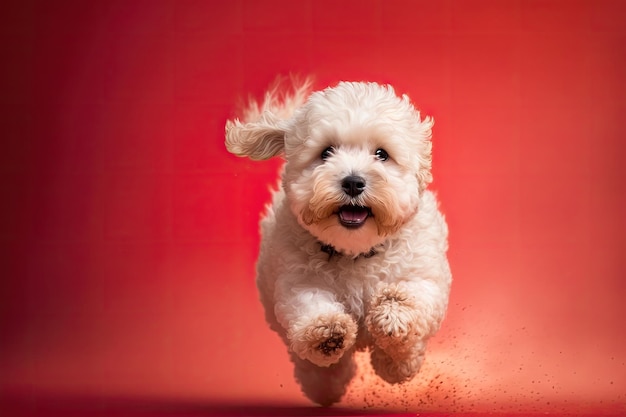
353,216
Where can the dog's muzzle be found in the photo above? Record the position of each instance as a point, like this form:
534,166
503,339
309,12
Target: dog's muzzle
353,216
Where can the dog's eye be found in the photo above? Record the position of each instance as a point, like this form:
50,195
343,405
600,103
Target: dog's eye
381,154
326,153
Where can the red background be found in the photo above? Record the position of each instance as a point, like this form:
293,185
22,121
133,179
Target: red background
128,234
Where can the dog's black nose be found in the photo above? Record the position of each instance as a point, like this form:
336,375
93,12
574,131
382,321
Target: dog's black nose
353,185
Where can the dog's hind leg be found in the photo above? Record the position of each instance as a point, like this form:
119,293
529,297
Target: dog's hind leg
324,385
400,367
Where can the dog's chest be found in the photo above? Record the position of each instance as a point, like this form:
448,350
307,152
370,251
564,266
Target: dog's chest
354,281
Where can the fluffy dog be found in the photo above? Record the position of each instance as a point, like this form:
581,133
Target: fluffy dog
353,249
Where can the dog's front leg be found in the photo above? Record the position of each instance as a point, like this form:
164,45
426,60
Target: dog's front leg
317,327
401,318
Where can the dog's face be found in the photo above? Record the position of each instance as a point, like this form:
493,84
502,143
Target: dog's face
358,158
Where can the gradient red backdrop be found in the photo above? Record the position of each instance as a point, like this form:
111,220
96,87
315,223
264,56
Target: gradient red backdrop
128,234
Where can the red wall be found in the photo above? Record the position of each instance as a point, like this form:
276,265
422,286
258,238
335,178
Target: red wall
128,234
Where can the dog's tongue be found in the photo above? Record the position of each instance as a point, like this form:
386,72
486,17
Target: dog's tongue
353,216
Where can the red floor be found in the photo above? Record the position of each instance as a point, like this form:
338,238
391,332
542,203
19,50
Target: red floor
129,234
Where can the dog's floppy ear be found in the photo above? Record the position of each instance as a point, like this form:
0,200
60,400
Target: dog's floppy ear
424,175
261,135
261,139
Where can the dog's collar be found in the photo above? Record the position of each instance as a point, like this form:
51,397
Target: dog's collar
331,251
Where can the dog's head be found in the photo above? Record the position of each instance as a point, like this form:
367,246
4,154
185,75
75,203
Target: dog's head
358,158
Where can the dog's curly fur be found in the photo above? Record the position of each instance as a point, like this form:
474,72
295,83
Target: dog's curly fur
353,250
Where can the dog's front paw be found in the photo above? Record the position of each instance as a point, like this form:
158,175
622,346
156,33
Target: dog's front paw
393,321
324,340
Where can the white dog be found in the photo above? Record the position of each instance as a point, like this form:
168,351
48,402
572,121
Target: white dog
353,250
